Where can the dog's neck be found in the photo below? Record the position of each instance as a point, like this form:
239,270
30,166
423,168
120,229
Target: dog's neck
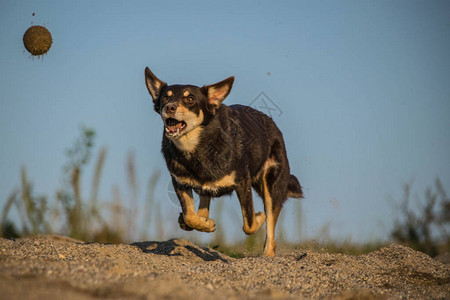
189,141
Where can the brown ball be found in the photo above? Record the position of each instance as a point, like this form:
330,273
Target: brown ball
37,40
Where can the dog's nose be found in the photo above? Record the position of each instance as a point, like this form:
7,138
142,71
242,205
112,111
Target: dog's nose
170,107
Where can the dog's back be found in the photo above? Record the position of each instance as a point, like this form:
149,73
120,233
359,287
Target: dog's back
263,147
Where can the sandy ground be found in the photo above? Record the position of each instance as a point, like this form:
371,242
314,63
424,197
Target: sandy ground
52,267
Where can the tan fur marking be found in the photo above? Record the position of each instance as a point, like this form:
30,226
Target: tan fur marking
260,178
226,181
169,93
153,85
178,166
203,207
216,94
186,93
187,181
269,163
192,219
188,200
189,141
183,110
269,248
259,219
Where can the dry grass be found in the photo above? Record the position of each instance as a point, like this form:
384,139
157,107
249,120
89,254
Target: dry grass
68,213
116,221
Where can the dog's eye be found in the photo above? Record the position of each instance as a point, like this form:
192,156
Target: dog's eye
190,99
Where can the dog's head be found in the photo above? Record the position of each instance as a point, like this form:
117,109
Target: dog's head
185,107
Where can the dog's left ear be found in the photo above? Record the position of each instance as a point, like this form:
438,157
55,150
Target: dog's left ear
217,93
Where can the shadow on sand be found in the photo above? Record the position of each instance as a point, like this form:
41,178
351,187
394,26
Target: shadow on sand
174,247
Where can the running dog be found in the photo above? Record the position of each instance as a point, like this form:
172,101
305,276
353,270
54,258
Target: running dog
215,149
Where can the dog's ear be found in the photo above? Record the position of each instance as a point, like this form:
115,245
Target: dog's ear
217,93
154,85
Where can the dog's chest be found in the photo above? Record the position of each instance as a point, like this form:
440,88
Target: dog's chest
201,177
224,183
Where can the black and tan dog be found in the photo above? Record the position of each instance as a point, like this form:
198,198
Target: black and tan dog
216,149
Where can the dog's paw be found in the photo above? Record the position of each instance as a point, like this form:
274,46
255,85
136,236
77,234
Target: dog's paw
260,218
207,225
200,223
182,224
269,248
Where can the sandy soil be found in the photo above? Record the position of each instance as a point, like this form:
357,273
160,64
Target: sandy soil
51,267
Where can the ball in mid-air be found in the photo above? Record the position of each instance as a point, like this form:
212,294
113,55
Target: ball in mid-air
37,40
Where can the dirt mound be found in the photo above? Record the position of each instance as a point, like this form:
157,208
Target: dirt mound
56,267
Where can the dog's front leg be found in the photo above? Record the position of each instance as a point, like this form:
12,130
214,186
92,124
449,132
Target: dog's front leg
203,211
203,207
189,216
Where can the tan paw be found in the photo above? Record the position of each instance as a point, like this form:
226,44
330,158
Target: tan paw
207,225
201,223
260,218
269,249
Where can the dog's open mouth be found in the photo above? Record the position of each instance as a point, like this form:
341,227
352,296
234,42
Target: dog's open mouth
174,127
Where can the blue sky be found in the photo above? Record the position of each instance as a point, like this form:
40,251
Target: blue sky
363,88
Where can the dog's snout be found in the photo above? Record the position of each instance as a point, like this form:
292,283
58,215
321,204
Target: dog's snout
170,108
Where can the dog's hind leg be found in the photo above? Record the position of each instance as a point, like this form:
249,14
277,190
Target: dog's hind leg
252,221
274,197
203,207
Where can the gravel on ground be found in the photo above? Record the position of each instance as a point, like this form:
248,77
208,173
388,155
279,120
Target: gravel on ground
55,267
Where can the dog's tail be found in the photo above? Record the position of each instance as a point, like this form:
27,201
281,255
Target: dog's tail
294,189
